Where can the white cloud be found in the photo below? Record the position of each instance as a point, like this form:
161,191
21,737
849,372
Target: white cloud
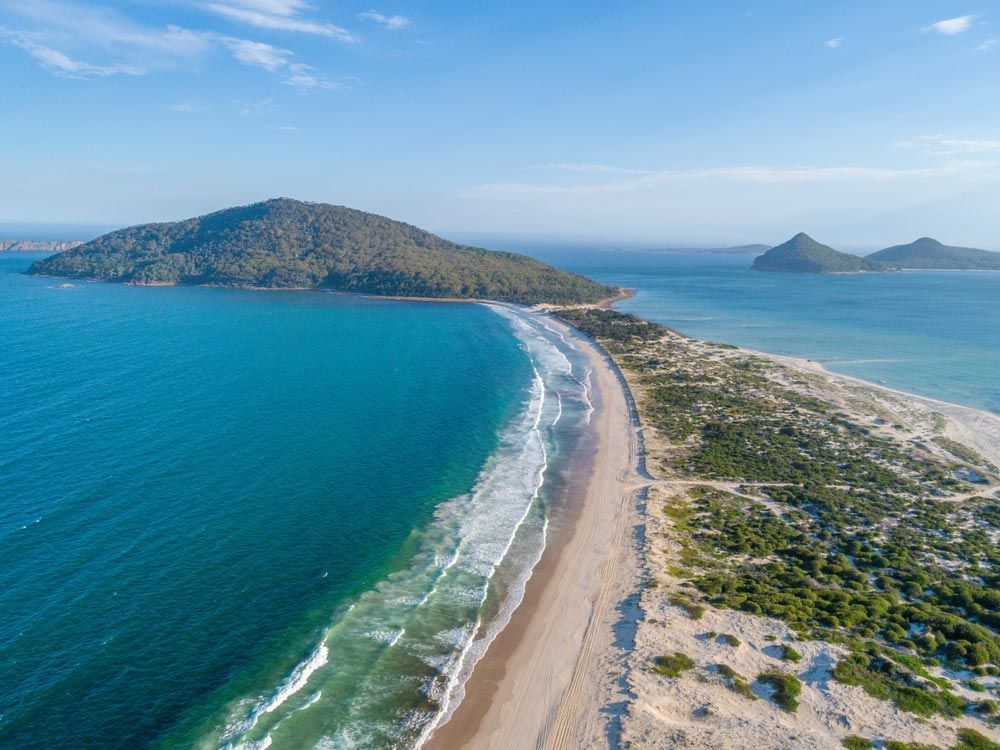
258,54
387,22
184,108
303,77
940,145
987,45
282,21
139,49
834,43
951,26
61,64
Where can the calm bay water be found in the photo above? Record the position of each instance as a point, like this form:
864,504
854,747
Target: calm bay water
234,518
936,333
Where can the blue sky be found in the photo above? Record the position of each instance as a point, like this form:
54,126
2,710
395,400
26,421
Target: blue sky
863,123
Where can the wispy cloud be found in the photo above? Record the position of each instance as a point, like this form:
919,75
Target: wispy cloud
940,145
387,22
258,54
59,63
988,45
952,26
136,49
642,180
281,16
834,43
184,108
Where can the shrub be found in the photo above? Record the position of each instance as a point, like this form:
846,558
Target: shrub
693,609
790,654
736,682
731,640
853,742
786,689
970,739
672,665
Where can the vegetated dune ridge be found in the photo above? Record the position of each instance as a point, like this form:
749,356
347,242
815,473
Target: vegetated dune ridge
795,521
289,244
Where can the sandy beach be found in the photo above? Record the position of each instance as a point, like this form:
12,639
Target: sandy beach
549,680
570,669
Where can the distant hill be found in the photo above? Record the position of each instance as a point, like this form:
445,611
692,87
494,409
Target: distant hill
737,250
35,246
283,243
803,254
929,253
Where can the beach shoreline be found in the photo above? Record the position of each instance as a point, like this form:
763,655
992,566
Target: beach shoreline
559,675
548,675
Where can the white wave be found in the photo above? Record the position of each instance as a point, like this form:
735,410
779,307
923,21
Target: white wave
499,528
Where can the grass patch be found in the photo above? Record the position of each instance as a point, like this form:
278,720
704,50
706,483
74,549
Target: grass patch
736,682
853,742
883,679
730,640
693,609
970,739
672,665
790,654
786,689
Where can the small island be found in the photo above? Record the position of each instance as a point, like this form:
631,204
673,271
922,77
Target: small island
803,254
930,254
288,244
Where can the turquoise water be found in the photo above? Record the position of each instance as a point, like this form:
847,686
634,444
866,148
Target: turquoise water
236,519
936,333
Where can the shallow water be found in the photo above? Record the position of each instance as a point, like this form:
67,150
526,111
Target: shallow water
936,333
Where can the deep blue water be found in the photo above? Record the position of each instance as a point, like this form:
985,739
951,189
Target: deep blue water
936,333
219,508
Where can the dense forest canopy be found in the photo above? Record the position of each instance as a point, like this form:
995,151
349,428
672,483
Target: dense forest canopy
283,243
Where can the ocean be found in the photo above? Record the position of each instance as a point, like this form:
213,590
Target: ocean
239,519
933,333
243,519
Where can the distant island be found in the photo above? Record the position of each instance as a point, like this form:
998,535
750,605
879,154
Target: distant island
754,249
35,246
287,244
803,254
929,253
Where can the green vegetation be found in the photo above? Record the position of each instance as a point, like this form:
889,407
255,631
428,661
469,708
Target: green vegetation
735,681
790,654
672,665
885,679
802,254
970,739
929,253
852,742
730,640
284,243
786,689
693,610
897,745
842,534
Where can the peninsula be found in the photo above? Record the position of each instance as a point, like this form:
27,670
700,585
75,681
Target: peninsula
37,246
289,244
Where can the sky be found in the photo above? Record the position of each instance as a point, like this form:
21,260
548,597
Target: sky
863,123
